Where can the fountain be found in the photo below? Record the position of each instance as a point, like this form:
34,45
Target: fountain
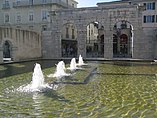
155,61
80,63
73,65
60,71
37,84
117,86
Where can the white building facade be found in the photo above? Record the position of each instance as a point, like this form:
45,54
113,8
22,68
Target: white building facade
30,14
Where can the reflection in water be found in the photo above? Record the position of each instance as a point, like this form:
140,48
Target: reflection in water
18,68
2,68
17,65
37,98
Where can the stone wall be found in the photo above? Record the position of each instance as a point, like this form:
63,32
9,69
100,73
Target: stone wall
51,45
143,41
23,44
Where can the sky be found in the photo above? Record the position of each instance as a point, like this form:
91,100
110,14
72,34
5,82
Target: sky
90,3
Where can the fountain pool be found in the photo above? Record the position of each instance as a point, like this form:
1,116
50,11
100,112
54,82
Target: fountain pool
101,89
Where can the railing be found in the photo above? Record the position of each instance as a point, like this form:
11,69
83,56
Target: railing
38,2
6,6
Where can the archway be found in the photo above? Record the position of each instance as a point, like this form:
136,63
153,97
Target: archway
95,40
123,40
69,40
7,50
123,44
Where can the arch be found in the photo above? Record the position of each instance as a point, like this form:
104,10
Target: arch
123,39
7,50
95,40
119,24
69,40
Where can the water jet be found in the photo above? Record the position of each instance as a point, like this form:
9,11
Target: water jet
60,70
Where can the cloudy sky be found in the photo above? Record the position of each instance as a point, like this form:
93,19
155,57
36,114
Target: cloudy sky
90,3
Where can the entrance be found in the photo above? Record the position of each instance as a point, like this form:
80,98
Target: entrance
69,48
122,40
6,50
123,45
95,40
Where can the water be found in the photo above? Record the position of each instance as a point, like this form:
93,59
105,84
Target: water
114,89
81,62
38,82
60,70
38,77
73,65
18,68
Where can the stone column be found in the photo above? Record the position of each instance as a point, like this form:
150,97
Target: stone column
51,40
1,54
51,46
81,42
13,54
139,50
108,45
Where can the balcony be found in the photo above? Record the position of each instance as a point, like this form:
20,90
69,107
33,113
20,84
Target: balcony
38,3
6,6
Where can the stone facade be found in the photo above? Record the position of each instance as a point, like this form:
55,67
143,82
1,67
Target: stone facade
19,44
30,14
112,30
142,47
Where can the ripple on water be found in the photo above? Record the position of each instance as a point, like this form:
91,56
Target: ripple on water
112,92
2,68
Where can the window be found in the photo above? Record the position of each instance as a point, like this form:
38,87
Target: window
67,32
44,1
92,32
18,17
6,3
115,26
123,26
73,5
150,6
31,2
18,2
144,19
7,18
44,15
73,35
31,14
149,19
44,27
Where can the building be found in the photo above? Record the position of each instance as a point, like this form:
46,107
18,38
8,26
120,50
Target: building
149,25
125,29
119,29
21,23
30,14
